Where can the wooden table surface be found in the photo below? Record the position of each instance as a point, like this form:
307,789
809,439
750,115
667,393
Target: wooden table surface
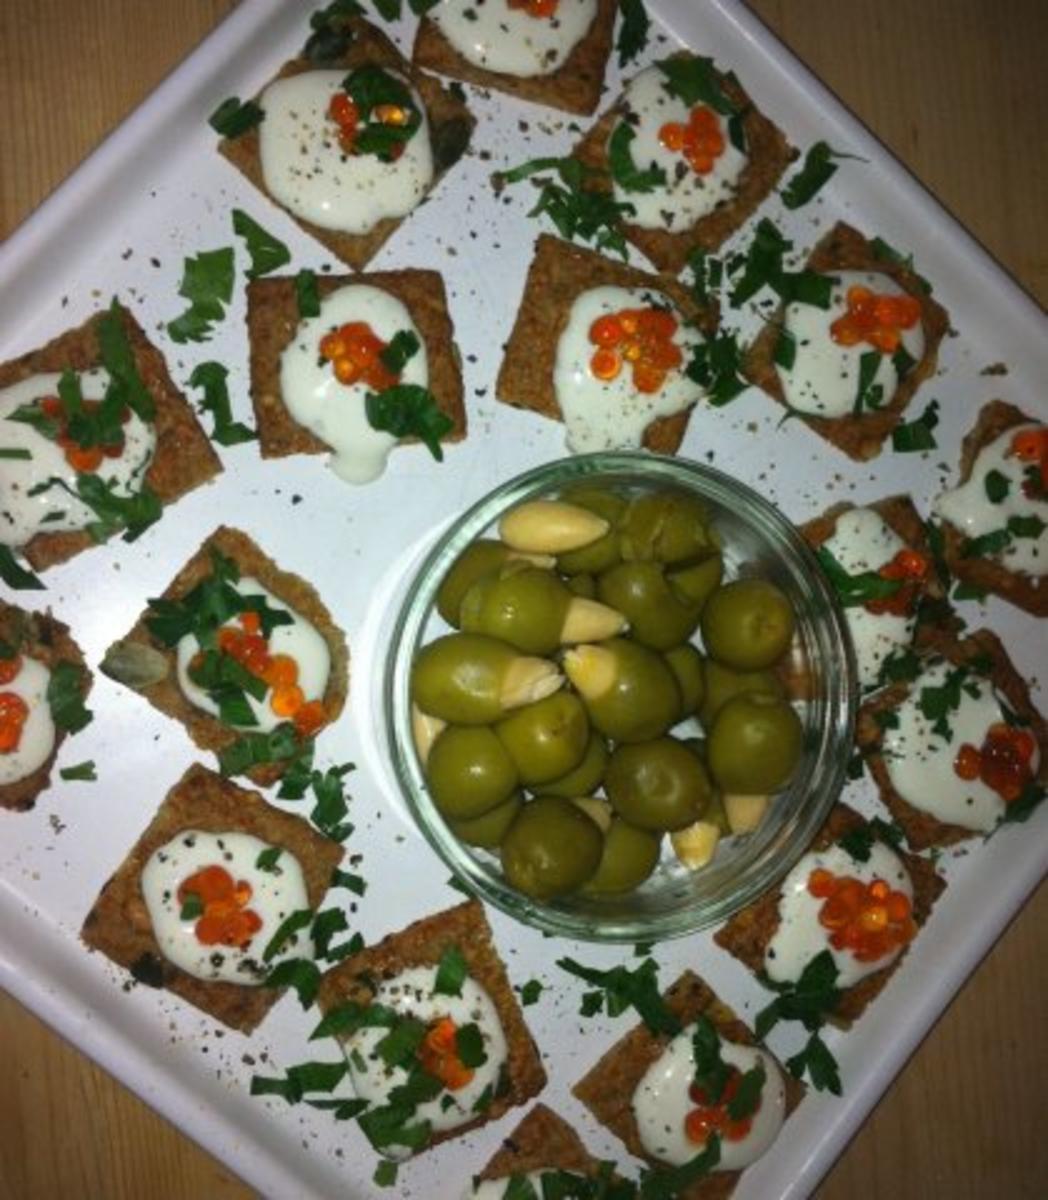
958,90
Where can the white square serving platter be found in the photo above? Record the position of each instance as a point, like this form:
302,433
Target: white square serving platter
139,205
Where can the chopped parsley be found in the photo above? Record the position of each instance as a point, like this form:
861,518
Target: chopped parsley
81,773
762,265
385,1174
715,365
662,1184
232,118
280,744
858,842
370,87
624,170
530,992
576,207
65,697
1000,539
402,348
267,252
15,453
868,394
917,435
408,410
818,169
451,973
211,376
298,1080
621,988
14,574
207,283
633,30
267,860
307,297
810,1000
853,591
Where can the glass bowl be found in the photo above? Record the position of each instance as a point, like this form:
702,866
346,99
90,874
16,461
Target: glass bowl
756,539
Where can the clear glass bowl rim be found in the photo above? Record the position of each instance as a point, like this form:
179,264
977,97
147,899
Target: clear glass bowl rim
837,704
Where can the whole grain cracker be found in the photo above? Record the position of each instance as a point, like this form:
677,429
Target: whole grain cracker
543,1141
421,944
184,458
574,87
558,274
450,125
607,1089
748,933
981,649
768,155
1028,592
207,731
273,318
860,437
119,926
41,637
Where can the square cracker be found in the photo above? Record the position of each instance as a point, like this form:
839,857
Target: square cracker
450,127
607,1089
768,155
118,924
574,87
558,274
184,457
207,731
1029,592
273,319
421,944
860,437
41,637
542,1141
899,514
750,930
984,653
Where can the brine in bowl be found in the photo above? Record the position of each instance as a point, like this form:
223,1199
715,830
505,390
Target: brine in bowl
484,798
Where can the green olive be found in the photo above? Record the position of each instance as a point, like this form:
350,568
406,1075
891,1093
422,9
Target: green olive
686,664
629,857
698,582
585,778
469,772
489,828
552,848
583,585
658,617
629,691
480,558
604,552
666,526
754,744
459,678
659,785
747,624
524,606
547,739
722,683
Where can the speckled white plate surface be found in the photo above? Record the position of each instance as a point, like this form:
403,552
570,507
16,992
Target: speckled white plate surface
156,191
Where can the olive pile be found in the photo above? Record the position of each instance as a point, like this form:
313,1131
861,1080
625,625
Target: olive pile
573,659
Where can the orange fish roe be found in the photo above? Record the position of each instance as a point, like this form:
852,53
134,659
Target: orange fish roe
701,140
355,351
226,919
248,647
868,919
10,668
439,1055
1003,762
1031,446
535,8
14,712
875,318
910,567
710,1118
344,112
642,337
83,459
